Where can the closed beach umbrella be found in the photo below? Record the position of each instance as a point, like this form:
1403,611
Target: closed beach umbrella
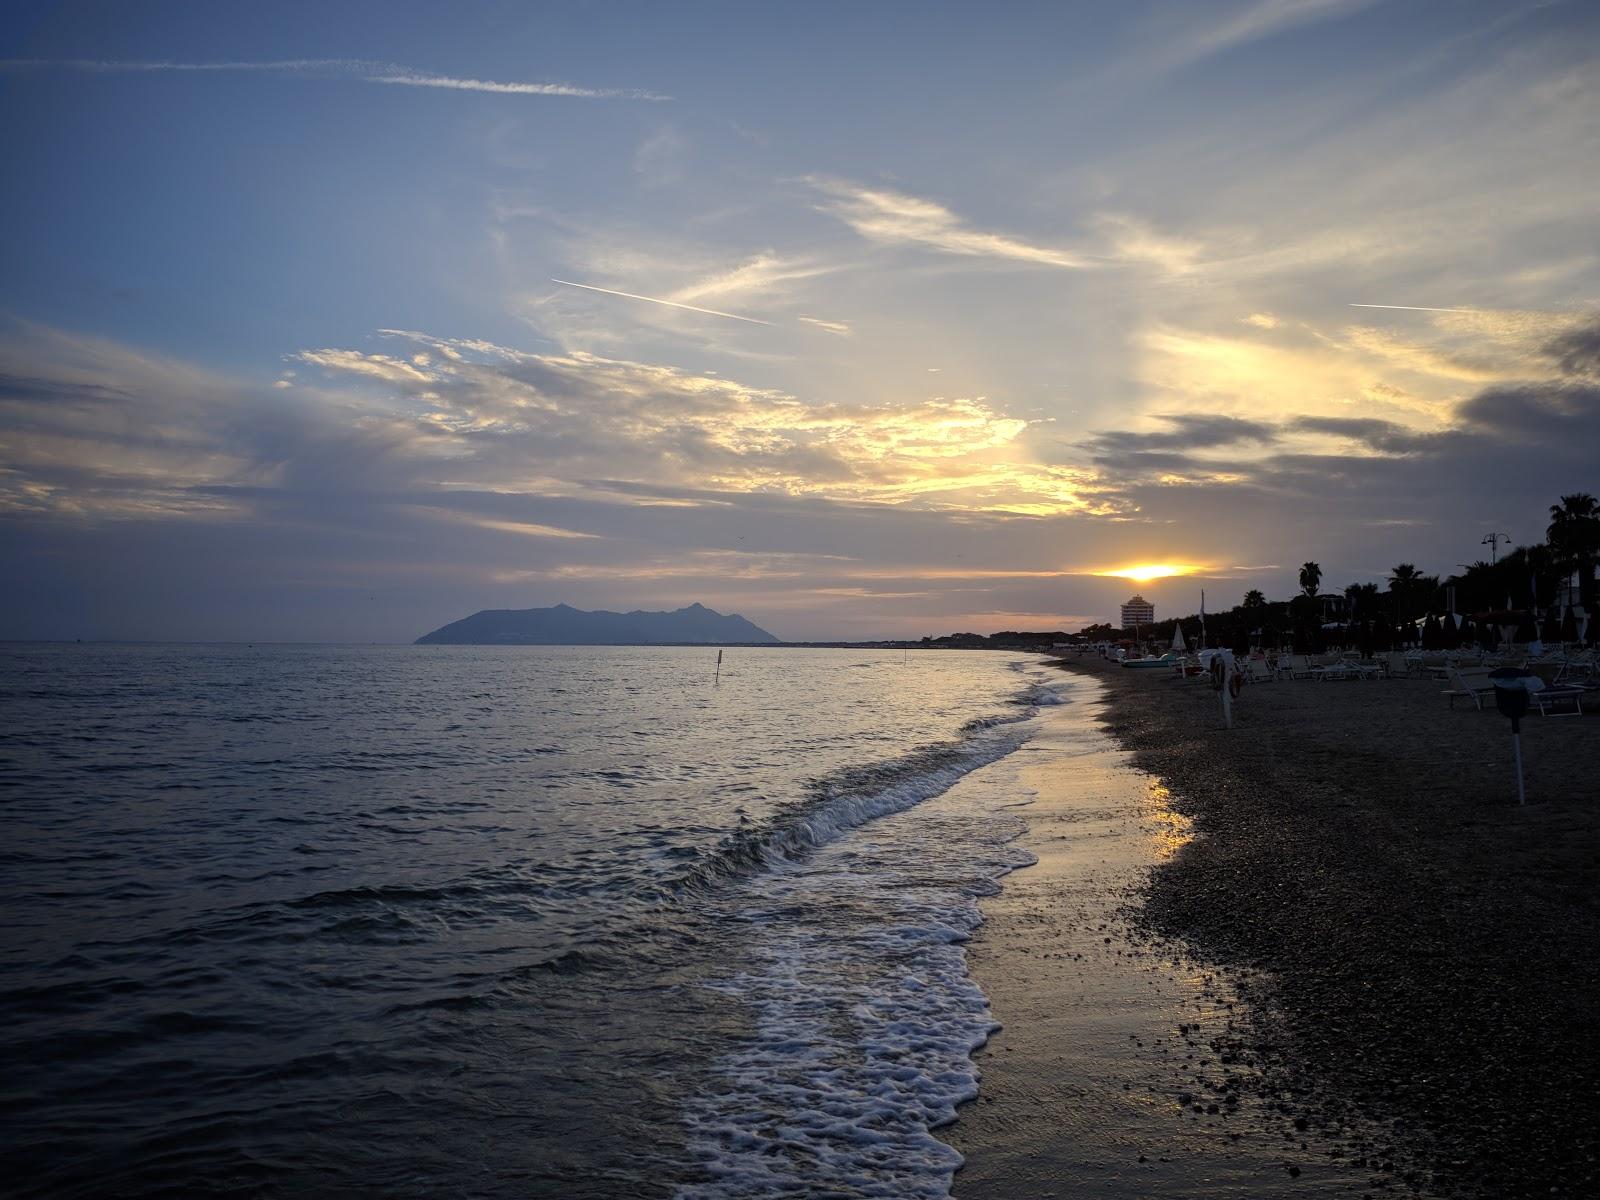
1450,632
1430,633
1177,637
1552,627
1569,625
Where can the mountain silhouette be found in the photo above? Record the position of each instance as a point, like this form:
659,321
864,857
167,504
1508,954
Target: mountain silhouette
567,626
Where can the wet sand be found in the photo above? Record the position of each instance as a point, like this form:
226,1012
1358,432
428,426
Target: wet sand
1377,969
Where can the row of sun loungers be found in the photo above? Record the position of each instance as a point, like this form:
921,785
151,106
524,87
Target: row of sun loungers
1568,678
1473,683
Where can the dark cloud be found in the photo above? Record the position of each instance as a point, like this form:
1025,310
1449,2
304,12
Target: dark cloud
1577,352
1385,436
1537,414
1145,462
1189,431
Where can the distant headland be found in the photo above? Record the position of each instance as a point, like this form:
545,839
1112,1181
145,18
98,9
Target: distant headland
567,626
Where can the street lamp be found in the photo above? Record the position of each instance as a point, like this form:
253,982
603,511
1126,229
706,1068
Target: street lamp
1493,541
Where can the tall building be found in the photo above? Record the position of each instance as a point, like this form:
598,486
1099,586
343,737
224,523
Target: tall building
1138,611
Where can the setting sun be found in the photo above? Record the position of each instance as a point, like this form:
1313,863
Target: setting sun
1145,572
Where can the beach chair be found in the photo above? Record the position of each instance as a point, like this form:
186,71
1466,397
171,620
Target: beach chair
1574,667
1395,665
1472,683
1547,698
1255,671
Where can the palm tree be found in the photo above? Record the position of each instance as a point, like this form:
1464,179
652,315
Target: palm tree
1362,598
1310,577
1574,535
1403,581
1254,599
1477,584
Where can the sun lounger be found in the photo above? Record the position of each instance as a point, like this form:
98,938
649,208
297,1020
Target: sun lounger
1255,671
1473,683
1545,698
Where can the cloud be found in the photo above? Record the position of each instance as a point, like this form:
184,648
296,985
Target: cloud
461,473
376,366
1215,33
1189,431
1537,414
365,70
1577,352
1386,436
762,273
1132,240
452,413
838,327
521,528
894,218
1312,370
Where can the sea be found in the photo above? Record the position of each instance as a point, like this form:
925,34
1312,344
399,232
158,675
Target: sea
496,921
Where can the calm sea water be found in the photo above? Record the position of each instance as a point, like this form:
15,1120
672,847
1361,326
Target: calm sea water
407,921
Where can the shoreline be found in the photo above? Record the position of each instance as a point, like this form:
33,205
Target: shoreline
1115,1072
1417,951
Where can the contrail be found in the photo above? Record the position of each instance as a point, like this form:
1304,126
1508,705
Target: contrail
352,68
1416,308
589,287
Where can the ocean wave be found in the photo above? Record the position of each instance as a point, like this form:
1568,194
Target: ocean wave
854,796
865,1018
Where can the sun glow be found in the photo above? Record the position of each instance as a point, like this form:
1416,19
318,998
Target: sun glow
1145,572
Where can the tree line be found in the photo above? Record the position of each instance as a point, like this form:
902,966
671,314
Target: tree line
1515,588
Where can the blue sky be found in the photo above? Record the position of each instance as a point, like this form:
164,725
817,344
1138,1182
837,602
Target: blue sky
965,305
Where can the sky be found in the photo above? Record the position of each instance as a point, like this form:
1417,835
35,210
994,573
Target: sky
340,322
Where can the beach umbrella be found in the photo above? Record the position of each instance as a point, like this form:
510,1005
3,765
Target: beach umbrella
1527,629
1569,625
1177,637
1450,632
1364,639
1551,627
1430,633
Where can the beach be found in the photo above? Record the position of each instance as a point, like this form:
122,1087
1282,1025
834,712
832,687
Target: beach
1335,959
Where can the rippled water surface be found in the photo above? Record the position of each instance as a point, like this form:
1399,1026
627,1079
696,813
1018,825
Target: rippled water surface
505,922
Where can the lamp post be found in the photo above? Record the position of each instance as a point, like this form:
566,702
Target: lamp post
1493,541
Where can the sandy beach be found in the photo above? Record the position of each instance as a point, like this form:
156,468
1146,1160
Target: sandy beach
1369,971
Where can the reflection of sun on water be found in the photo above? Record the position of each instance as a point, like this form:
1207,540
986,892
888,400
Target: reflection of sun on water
1169,831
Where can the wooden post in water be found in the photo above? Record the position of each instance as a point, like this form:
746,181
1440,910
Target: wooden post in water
717,682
